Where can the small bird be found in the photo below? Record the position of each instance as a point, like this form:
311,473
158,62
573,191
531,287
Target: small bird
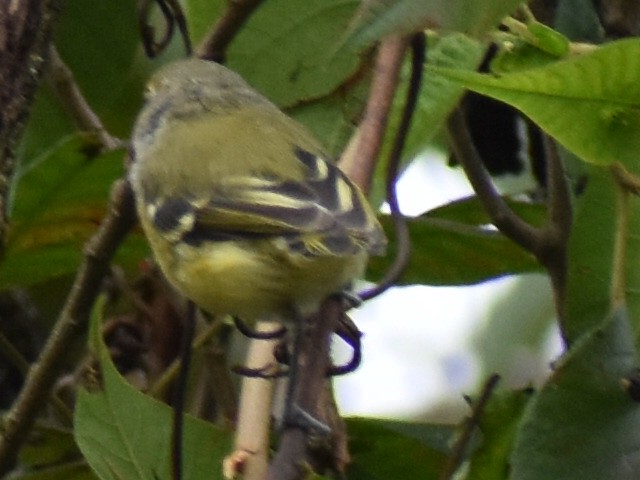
243,210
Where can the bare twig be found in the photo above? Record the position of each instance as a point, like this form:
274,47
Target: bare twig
25,31
71,323
214,46
360,164
460,447
300,449
549,243
74,101
500,213
251,449
401,228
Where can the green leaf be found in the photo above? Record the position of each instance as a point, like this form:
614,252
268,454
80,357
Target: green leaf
287,49
582,424
378,18
59,201
450,252
549,40
385,450
591,258
125,434
589,103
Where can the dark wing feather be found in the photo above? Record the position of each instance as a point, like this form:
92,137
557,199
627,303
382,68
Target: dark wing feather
324,214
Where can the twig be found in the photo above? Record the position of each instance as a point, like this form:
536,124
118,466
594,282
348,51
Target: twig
300,449
214,46
459,448
74,101
25,32
501,215
549,243
71,324
251,449
188,333
626,184
360,164
401,229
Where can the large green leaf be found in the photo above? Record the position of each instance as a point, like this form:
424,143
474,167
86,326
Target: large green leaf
582,424
125,434
589,103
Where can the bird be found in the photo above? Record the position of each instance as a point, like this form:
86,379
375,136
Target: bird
244,211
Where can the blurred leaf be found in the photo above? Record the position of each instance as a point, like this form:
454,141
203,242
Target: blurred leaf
447,252
469,210
582,424
382,450
59,201
498,424
598,91
378,18
51,454
125,434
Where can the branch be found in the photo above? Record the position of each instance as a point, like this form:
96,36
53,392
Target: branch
360,159
401,229
71,324
549,243
25,32
300,449
251,449
67,89
460,448
500,213
215,44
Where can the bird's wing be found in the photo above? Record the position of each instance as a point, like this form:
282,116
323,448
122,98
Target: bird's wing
321,214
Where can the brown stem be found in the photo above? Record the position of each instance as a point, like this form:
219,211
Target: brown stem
549,243
25,32
360,164
460,447
215,44
71,324
401,229
299,448
73,100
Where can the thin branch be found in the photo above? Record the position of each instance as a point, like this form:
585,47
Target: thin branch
214,46
188,333
401,228
74,101
626,184
251,448
300,448
359,165
500,213
25,32
555,235
460,447
71,324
